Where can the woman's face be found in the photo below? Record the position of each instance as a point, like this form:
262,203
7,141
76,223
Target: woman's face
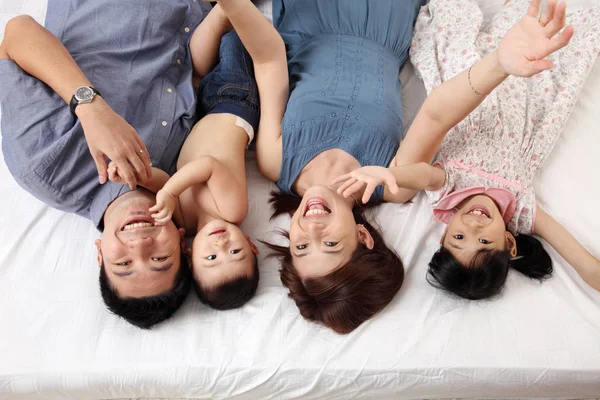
477,225
323,232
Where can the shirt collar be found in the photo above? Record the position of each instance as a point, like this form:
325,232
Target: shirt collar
105,195
447,207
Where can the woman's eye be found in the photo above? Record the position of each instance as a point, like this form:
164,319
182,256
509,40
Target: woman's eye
124,263
483,241
158,259
331,244
459,237
302,246
235,251
211,257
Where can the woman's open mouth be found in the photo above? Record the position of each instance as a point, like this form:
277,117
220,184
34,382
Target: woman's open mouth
316,207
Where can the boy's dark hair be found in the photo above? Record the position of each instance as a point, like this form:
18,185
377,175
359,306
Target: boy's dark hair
351,294
232,294
485,276
145,312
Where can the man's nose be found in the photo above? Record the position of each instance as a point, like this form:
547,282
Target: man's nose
140,242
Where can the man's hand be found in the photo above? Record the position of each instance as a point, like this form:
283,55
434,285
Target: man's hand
109,135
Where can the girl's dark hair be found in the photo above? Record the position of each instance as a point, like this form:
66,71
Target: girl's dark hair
484,277
352,293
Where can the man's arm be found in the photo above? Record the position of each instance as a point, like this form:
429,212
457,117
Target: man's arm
586,265
35,50
266,47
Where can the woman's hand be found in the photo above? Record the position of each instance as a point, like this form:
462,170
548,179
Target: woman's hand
371,176
164,207
523,50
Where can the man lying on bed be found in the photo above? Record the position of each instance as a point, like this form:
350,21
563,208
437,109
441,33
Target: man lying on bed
125,69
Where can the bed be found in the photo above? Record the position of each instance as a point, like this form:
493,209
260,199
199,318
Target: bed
57,340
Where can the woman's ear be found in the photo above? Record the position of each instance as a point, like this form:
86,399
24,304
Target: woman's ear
365,237
511,244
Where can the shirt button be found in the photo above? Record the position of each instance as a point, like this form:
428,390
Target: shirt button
169,90
178,61
186,29
164,123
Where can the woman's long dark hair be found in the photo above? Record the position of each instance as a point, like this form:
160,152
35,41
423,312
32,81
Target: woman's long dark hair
486,274
349,295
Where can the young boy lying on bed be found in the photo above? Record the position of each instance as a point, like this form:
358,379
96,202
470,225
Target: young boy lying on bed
208,194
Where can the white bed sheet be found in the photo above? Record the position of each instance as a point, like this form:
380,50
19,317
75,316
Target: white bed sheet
57,341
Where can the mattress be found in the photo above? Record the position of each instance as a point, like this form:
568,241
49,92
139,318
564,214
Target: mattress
57,340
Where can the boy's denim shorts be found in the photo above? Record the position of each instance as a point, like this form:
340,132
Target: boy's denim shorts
230,87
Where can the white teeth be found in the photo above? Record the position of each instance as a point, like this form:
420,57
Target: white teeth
478,213
136,225
315,211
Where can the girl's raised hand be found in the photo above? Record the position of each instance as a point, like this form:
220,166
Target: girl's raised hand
371,176
164,207
523,50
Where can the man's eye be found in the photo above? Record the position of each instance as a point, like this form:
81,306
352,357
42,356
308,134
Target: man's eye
124,263
213,257
158,259
302,246
235,251
459,237
484,241
331,244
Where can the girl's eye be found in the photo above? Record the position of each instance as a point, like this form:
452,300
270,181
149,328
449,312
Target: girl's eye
331,244
124,263
459,237
483,241
235,251
302,246
211,257
158,259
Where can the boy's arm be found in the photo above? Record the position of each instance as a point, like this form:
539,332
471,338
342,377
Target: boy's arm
205,42
231,196
266,47
586,265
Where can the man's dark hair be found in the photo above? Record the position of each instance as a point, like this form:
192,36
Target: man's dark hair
231,294
145,312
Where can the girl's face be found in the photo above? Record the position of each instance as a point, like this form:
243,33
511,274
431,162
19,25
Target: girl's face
323,232
477,225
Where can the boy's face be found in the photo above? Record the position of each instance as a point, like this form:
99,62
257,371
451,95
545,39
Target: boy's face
221,253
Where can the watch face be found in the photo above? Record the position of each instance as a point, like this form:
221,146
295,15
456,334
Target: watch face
84,94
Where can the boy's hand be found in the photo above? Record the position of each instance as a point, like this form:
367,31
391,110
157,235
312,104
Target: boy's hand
523,50
164,207
371,176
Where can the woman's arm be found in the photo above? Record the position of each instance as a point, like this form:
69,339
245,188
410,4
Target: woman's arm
521,53
266,47
586,265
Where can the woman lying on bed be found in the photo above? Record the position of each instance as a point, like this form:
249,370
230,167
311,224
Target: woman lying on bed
481,184
344,111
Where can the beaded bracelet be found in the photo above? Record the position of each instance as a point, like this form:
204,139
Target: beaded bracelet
470,84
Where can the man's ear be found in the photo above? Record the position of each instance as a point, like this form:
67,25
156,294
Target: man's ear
252,245
364,236
98,242
511,244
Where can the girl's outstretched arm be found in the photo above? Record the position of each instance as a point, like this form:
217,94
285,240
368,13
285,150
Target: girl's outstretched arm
266,47
586,265
521,52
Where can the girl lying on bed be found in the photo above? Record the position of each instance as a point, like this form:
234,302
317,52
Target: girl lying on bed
208,194
481,184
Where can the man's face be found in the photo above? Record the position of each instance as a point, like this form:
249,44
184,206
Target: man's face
140,259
